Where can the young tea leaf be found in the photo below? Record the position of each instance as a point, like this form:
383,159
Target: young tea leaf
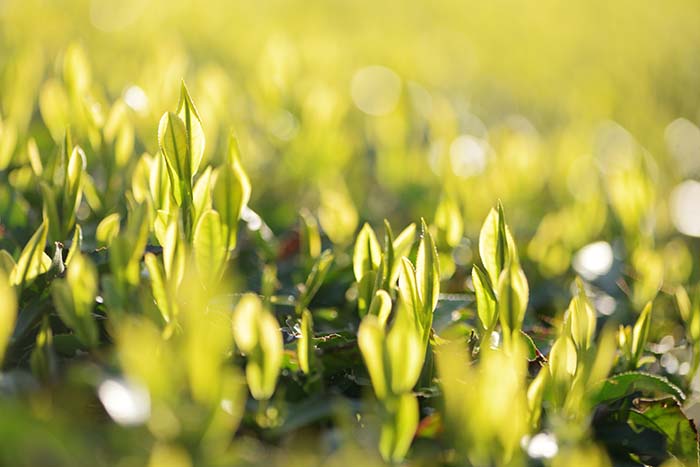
172,140
305,342
370,340
8,313
367,253
193,125
398,428
210,251
485,298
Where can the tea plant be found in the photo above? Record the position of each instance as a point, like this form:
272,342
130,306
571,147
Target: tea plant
150,314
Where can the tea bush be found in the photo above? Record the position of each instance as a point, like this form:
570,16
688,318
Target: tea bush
225,244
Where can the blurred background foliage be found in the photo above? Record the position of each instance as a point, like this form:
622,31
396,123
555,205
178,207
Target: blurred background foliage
581,117
532,89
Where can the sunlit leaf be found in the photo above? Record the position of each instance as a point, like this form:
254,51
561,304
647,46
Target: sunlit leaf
230,195
513,295
257,334
32,261
427,275
367,253
193,125
640,332
399,428
405,352
370,340
315,280
75,244
381,307
8,313
304,343
107,229
172,139
485,298
210,248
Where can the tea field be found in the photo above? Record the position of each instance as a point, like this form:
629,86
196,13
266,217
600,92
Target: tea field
284,233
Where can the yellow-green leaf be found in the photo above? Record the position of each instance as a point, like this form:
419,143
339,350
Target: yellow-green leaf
210,248
75,244
427,275
381,307
448,221
370,340
367,252
107,229
193,124
405,351
159,286
640,332
172,139
230,195
398,428
485,298
304,343
513,294
32,261
8,313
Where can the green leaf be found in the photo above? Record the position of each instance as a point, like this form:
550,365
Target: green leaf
43,359
448,221
491,246
381,307
408,287
398,428
667,417
32,261
193,124
513,295
107,229
73,193
683,303
50,211
640,332
310,236
8,140
7,263
8,313
305,342
230,195
53,105
365,292
76,70
173,251
623,384
159,286
201,194
75,244
367,253
257,334
314,280
128,247
210,251
581,318
401,246
535,394
172,139
405,350
160,186
485,298
244,322
562,358
74,298
370,340
427,276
